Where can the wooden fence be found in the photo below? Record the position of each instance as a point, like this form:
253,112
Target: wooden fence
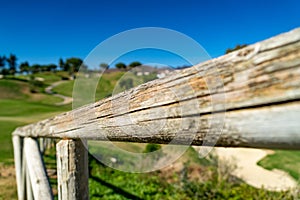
261,86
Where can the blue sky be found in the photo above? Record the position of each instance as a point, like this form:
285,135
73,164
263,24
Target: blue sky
43,31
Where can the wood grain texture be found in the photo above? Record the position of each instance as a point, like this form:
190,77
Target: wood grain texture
72,170
36,170
240,95
18,148
29,192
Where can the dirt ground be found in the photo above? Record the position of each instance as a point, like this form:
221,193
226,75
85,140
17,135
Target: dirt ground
7,182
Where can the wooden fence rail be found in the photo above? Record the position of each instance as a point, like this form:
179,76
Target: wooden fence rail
252,96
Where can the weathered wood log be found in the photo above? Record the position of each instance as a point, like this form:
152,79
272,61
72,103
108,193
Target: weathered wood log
18,148
36,170
42,144
24,173
252,96
29,192
72,170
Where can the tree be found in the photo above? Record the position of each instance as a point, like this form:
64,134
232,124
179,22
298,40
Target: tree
237,47
135,64
24,67
67,67
73,64
49,67
35,68
120,65
5,72
53,67
2,63
12,62
103,66
61,64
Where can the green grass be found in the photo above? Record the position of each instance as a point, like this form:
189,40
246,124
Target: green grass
107,183
7,128
285,160
46,99
19,107
108,84
104,89
11,89
14,113
18,90
65,88
49,77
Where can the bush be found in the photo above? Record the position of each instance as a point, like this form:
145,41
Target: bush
152,147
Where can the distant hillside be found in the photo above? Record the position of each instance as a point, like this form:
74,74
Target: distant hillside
111,82
11,89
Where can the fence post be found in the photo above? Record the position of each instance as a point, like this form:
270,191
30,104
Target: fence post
18,150
29,192
72,170
36,170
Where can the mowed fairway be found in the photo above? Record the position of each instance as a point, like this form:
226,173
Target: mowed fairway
19,107
105,87
108,84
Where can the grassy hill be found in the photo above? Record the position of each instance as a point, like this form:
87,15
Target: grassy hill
18,106
108,83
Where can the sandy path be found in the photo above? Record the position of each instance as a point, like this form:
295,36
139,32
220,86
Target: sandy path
247,169
66,100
